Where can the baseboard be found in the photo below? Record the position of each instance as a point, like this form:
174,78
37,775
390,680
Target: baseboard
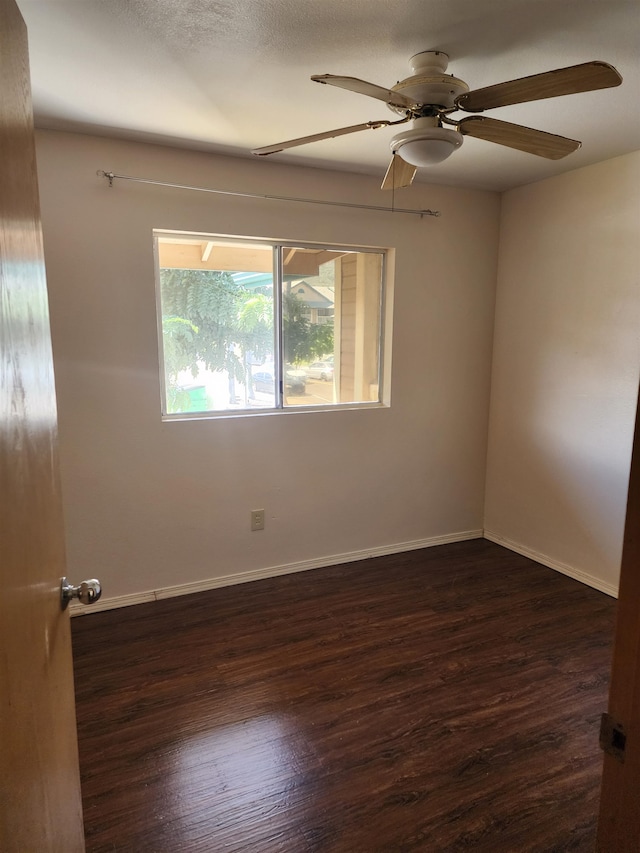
563,568
114,602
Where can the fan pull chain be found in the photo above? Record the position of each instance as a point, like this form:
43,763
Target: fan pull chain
393,182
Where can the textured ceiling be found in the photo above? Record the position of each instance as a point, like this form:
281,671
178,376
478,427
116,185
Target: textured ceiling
230,75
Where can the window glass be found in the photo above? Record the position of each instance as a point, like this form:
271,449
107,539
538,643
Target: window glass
331,304
232,340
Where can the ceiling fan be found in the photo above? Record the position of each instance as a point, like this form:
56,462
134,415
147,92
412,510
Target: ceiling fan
429,96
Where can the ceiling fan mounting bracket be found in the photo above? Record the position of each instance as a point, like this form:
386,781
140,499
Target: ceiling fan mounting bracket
433,61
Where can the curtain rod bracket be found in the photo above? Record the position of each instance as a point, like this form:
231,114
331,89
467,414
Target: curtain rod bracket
108,175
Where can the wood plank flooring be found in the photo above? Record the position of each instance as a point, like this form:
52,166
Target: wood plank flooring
437,700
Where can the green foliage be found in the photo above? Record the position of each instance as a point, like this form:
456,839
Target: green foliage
230,320
178,399
209,318
178,336
255,324
210,301
303,341
322,340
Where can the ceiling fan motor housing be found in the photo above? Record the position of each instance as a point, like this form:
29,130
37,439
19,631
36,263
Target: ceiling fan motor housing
429,85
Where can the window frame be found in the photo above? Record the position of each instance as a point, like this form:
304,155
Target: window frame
277,246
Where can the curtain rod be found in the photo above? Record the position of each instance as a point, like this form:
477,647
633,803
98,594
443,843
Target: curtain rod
111,177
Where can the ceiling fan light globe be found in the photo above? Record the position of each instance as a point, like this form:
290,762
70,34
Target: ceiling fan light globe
427,152
426,147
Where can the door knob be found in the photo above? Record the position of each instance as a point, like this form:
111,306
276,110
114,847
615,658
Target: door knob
88,592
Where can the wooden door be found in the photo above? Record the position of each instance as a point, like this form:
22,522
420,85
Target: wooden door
619,823
40,805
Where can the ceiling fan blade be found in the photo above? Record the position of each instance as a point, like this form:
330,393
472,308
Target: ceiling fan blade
399,174
353,84
316,137
586,77
527,139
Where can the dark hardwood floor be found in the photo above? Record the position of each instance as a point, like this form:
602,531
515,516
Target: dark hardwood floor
437,700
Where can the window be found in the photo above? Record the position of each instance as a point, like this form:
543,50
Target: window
254,325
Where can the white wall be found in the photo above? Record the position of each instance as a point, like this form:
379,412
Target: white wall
565,372
151,505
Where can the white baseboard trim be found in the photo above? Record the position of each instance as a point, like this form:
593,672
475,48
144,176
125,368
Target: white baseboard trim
77,609
563,568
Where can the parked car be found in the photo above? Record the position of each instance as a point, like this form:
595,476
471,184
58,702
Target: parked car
320,370
295,381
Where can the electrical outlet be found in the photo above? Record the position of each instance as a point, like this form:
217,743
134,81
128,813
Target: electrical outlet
257,519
